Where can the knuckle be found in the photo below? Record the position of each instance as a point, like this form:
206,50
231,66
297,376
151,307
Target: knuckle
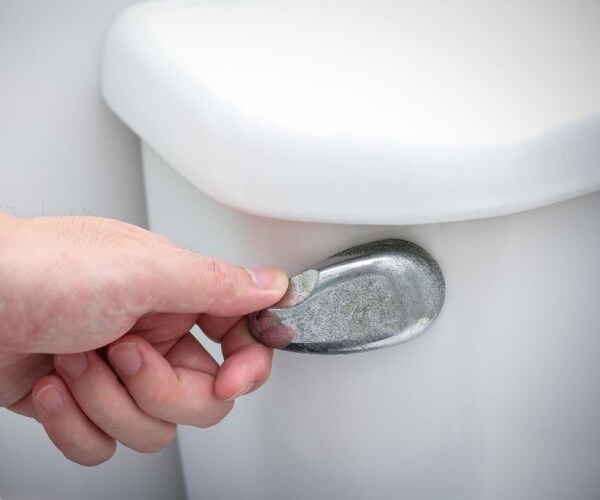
161,397
159,440
215,416
224,277
89,455
98,459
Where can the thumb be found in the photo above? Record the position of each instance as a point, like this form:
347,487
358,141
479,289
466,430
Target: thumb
186,282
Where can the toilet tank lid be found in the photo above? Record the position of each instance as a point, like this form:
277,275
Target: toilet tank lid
365,111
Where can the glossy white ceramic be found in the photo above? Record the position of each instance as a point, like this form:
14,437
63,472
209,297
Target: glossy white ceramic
499,399
366,111
323,125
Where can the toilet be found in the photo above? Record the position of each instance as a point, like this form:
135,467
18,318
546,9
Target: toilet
279,132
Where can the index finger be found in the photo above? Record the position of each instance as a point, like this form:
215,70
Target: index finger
247,363
215,327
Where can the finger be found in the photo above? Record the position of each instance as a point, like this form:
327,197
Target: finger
185,282
237,338
189,353
106,402
179,395
18,372
247,363
24,407
163,327
214,327
68,428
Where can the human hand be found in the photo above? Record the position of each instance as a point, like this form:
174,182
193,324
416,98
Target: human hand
94,333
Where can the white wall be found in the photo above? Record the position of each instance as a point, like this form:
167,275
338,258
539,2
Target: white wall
63,152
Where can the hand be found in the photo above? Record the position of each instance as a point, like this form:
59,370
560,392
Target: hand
95,317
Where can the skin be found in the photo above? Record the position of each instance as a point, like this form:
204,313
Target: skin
95,317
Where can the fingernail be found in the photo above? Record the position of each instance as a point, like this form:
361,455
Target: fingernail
51,399
72,364
126,357
244,390
268,278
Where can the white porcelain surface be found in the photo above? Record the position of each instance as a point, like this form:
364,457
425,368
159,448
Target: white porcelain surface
499,400
304,110
388,114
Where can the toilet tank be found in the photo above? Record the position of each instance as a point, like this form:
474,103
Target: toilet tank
281,132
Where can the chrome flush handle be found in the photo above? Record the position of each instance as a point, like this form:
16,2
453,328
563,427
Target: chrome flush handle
370,296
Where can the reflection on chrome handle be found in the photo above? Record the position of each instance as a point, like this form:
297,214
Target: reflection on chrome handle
370,296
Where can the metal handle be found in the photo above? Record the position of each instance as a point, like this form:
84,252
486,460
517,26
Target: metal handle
370,296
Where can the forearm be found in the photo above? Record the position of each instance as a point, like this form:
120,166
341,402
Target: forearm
13,318
18,372
7,223
8,226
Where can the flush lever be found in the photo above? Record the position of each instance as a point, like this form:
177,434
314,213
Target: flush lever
367,297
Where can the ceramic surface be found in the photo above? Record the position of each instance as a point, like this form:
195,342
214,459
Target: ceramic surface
498,400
